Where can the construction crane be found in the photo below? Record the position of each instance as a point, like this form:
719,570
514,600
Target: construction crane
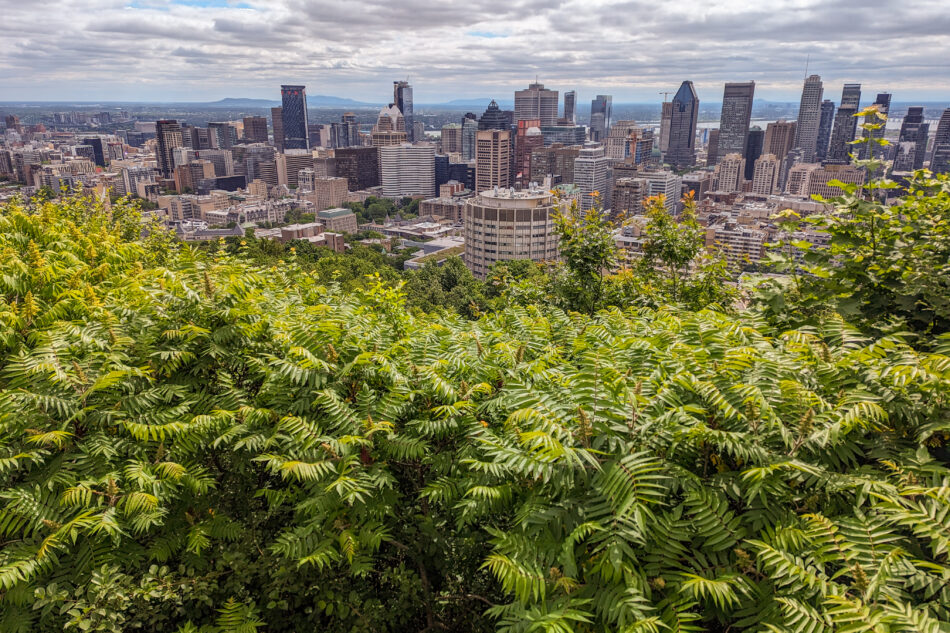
666,95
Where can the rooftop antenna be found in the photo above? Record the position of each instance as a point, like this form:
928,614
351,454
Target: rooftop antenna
807,59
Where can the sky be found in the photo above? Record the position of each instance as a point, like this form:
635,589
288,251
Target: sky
204,50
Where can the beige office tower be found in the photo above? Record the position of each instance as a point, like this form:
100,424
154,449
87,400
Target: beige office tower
328,193
290,164
536,102
765,176
451,138
731,170
390,128
666,120
628,196
407,170
779,138
492,159
506,225
819,178
619,138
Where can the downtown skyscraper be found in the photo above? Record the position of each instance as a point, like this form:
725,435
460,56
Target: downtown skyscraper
536,103
681,152
601,108
845,126
809,117
736,117
402,97
168,137
883,104
570,107
294,117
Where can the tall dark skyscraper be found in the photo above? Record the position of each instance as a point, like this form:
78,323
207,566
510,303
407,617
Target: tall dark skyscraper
940,159
682,149
845,126
168,135
294,117
883,103
494,118
402,97
809,117
735,118
912,143
825,124
255,129
754,143
601,111
570,107
98,150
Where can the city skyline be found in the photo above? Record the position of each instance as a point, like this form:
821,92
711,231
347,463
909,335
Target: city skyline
204,50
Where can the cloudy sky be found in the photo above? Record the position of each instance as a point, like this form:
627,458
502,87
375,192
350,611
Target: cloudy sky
184,50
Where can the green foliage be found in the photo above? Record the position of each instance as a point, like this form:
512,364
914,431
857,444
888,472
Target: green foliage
886,268
196,441
587,248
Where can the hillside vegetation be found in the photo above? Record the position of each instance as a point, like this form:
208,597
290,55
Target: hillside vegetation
198,442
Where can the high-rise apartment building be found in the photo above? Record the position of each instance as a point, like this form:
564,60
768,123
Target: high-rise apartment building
681,153
536,103
528,138
556,161
452,138
407,170
294,117
601,115
570,107
590,176
664,183
492,159
627,197
619,138
736,117
168,137
731,170
765,174
277,122
222,135
402,98
290,164
506,225
912,142
255,129
809,117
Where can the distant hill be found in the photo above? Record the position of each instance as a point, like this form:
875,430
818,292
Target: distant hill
313,101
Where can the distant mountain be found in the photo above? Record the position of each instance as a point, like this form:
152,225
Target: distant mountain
476,103
313,101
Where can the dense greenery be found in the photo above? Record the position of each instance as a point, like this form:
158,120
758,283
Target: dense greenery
214,441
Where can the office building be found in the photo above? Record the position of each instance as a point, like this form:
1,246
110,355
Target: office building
765,174
222,160
818,179
255,129
666,184
556,162
98,149
504,224
222,135
779,138
536,103
940,158
277,122
452,138
564,134
469,128
627,197
666,118
359,165
289,165
494,118
570,107
712,148
912,142
619,139
168,135
840,148
294,117
492,159
402,99
407,170
809,117
735,118
731,172
681,153
601,113
871,149
590,176
528,138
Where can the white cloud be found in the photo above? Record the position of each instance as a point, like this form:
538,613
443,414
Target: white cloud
208,49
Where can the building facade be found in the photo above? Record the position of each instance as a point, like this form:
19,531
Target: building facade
736,117
809,117
294,117
492,160
681,153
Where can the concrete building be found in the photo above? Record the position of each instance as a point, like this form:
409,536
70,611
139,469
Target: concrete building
796,183
492,160
328,193
505,224
290,164
619,138
407,170
168,137
556,162
731,172
359,165
666,119
735,118
601,117
779,138
277,122
452,138
570,107
590,176
255,129
818,179
536,103
402,99
627,197
666,184
338,220
912,142
941,152
528,138
765,176
809,117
